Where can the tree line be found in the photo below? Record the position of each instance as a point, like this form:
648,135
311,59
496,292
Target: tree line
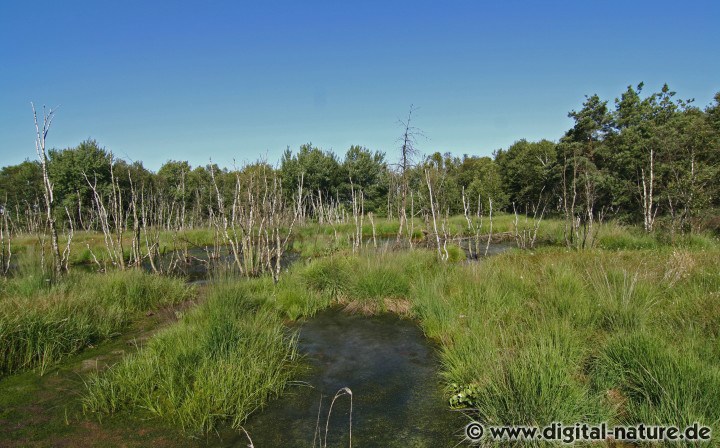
645,159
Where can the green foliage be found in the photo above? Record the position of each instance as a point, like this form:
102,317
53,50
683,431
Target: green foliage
525,170
319,170
68,168
331,275
20,187
369,173
292,296
540,384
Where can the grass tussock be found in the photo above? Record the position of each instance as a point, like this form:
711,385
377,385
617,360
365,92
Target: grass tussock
222,361
44,321
627,337
658,383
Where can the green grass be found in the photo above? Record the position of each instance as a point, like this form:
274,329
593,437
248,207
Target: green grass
43,320
222,361
658,383
628,336
626,333
625,336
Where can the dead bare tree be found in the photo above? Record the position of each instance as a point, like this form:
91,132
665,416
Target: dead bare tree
277,214
65,257
407,154
648,183
358,208
580,228
490,215
526,235
5,241
111,216
40,148
136,255
569,199
151,235
372,224
442,254
473,225
258,224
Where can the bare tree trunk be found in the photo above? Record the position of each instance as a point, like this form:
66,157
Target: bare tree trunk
567,233
589,211
65,259
152,249
136,251
647,194
5,242
80,219
490,217
40,148
118,214
411,231
434,218
182,193
407,151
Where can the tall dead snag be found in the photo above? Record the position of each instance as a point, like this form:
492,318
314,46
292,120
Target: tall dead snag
407,153
278,217
5,240
151,234
578,200
182,194
441,247
40,140
118,213
374,233
358,207
65,257
648,183
490,216
222,223
136,253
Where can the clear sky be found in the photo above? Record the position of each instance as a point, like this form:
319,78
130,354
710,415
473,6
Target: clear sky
239,80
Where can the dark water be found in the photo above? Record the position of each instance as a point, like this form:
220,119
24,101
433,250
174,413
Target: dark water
392,371
195,265
471,251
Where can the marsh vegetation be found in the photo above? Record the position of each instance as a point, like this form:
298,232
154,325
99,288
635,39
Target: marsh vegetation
553,282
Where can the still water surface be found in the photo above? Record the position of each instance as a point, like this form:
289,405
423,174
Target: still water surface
392,370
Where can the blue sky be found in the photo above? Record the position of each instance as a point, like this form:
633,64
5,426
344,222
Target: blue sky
236,80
